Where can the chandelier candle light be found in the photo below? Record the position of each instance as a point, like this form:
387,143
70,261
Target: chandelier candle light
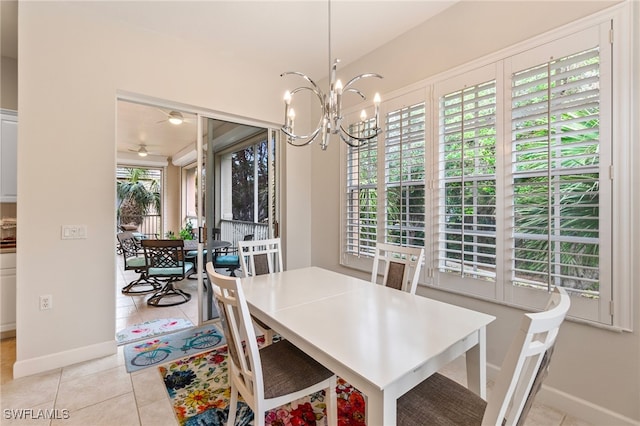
331,109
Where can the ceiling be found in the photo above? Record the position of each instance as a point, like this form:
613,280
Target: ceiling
263,29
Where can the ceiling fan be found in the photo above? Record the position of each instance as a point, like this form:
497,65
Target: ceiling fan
142,150
174,117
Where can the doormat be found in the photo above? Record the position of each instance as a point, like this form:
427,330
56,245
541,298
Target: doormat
151,328
199,390
168,347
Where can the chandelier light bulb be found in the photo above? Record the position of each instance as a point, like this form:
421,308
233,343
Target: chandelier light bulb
363,115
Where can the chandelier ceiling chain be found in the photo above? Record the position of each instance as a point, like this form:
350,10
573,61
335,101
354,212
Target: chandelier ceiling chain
331,108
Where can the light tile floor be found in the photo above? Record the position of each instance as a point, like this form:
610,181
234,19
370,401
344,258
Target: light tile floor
101,392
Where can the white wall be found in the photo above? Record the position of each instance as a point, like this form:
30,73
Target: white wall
595,373
71,69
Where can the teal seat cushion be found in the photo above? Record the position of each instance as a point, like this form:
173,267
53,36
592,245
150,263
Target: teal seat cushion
175,271
227,260
135,262
194,253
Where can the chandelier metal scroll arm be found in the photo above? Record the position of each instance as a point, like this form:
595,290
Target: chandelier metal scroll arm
353,141
293,138
357,92
359,77
362,140
306,77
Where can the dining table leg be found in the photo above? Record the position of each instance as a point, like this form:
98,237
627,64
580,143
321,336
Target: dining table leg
380,410
476,358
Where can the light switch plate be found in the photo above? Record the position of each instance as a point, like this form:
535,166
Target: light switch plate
74,232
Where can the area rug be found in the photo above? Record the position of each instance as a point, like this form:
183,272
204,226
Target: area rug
199,390
151,328
161,349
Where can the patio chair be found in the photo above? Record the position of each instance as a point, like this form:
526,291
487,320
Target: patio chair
441,401
273,375
401,266
134,260
166,263
228,258
259,258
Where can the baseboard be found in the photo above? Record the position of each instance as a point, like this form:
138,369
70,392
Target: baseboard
574,406
579,408
8,327
7,334
41,364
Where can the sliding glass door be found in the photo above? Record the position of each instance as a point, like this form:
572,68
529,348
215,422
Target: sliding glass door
238,191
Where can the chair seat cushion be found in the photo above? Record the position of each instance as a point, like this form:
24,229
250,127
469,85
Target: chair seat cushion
287,369
175,271
227,260
194,253
440,401
135,262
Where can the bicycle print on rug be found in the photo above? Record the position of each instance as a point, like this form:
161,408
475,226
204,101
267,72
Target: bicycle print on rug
168,347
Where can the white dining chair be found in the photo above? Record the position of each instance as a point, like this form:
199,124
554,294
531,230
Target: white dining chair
401,266
272,375
261,257
440,401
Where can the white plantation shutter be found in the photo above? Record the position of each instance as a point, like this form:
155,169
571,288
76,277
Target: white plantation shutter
467,185
556,173
404,144
361,206
504,172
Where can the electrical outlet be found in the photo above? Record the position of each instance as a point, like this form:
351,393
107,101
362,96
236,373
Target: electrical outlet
46,302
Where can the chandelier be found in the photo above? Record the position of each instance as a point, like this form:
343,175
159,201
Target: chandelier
331,109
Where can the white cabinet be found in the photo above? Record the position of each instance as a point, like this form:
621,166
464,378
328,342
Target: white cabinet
7,292
8,157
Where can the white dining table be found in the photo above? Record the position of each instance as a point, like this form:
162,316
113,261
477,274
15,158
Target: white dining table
381,340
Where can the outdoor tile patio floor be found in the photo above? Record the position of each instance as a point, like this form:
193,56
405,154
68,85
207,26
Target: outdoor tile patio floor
101,392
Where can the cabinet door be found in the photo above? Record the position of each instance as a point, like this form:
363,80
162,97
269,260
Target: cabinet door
8,158
7,299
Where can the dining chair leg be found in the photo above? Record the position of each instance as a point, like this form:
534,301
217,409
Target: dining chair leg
268,337
331,400
233,406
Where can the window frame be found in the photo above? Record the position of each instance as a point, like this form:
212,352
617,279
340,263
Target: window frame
616,302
